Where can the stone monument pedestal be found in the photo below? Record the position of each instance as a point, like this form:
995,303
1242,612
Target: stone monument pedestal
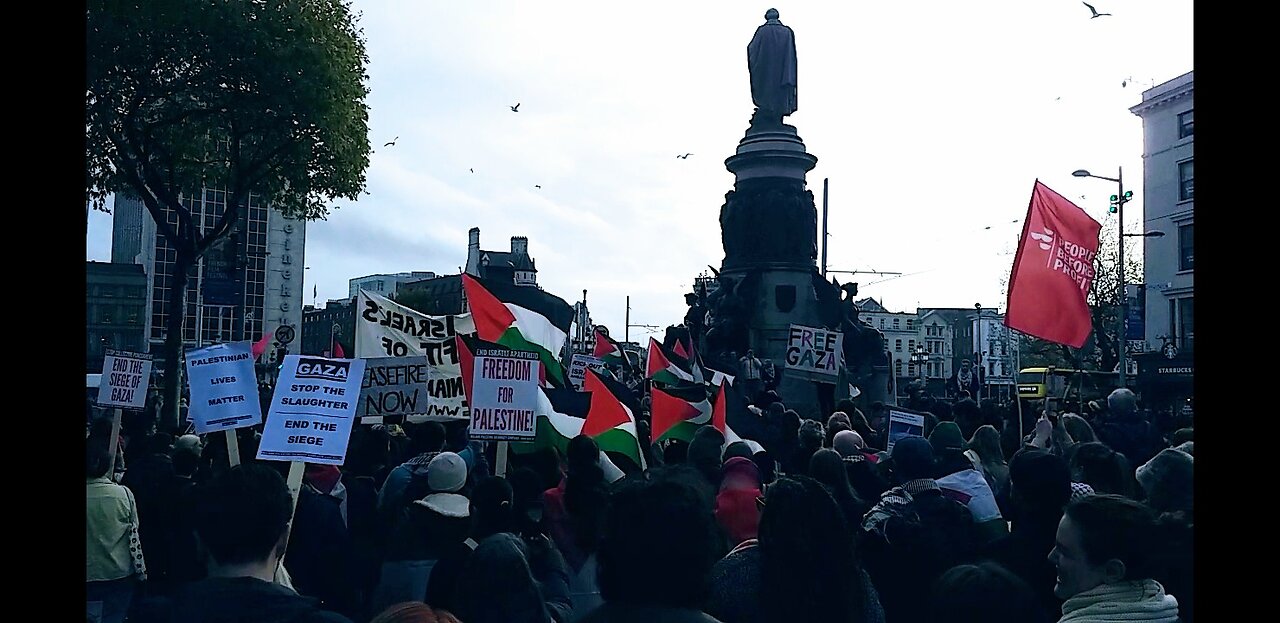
769,231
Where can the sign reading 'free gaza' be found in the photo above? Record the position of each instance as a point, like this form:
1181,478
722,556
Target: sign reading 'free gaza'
814,350
224,388
312,410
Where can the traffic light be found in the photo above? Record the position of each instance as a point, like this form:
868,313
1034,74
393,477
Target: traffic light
1115,205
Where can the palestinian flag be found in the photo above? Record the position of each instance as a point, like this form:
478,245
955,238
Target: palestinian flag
730,413
609,350
521,318
564,414
677,412
610,422
679,349
662,370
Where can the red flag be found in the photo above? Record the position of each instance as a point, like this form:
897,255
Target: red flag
679,349
606,411
720,410
1049,284
337,351
261,345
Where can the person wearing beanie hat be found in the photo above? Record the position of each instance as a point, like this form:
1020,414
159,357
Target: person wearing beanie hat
428,534
425,442
914,532
962,482
1168,480
1040,487
447,473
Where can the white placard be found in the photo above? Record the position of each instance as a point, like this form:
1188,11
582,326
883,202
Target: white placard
814,350
312,410
385,328
903,424
124,381
224,387
578,368
504,393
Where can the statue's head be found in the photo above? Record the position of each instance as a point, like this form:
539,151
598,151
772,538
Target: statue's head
690,298
771,14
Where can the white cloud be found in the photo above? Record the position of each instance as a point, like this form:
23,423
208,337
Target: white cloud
931,119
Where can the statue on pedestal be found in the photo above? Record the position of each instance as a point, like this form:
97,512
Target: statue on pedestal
771,58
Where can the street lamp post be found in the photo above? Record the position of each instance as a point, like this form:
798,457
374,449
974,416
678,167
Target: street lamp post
1117,201
921,358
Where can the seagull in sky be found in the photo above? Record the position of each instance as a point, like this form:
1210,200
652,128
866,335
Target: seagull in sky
684,157
536,186
472,170
1095,12
392,142
516,108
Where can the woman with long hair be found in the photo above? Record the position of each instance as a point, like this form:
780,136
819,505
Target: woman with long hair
986,444
828,468
1102,468
802,568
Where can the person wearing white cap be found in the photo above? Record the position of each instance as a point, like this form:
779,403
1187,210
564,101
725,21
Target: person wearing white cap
429,529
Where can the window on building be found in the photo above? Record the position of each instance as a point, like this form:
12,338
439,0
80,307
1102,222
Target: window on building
1186,324
895,323
911,346
1186,180
1186,247
1186,124
911,369
910,322
882,323
897,346
897,368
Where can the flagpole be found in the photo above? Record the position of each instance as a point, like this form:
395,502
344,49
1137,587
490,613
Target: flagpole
626,331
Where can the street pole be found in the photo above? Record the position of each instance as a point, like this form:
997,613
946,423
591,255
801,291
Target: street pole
1120,334
824,227
626,331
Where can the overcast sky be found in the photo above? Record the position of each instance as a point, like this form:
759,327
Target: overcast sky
932,120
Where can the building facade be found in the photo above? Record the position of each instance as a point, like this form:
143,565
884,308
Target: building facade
515,265
386,284
247,285
1168,184
901,335
1166,368
115,310
322,328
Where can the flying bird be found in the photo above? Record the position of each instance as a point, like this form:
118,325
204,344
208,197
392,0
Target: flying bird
536,186
472,170
684,157
1095,12
391,142
516,108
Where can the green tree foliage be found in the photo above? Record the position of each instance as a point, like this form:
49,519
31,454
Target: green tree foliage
257,97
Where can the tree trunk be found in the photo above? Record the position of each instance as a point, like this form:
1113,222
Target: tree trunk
177,310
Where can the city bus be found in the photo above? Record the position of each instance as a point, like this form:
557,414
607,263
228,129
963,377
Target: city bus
1076,386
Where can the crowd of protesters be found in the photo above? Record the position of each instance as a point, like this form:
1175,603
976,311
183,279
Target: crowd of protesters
1074,517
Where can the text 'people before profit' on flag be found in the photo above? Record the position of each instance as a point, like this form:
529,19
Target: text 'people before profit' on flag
1052,271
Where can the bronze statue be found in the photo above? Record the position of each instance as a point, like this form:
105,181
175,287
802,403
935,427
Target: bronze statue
771,58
